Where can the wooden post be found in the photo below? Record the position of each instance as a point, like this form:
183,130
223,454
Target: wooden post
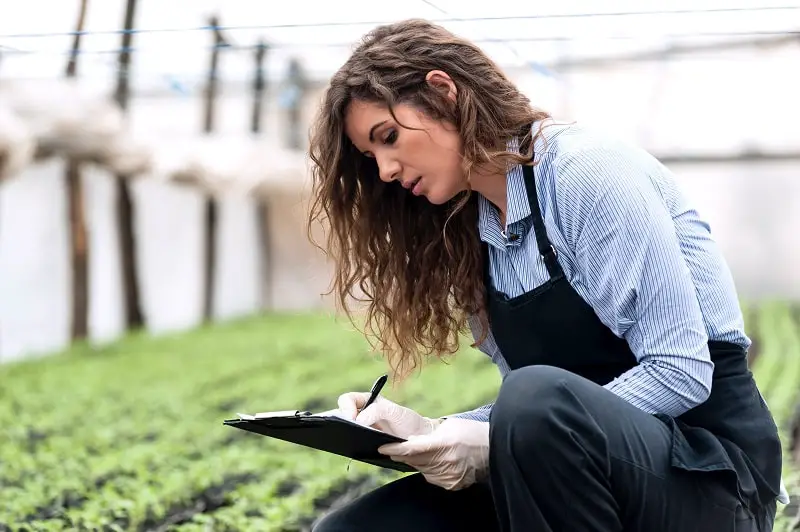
262,204
125,209
211,82
297,86
72,64
210,218
210,227
79,250
259,86
78,237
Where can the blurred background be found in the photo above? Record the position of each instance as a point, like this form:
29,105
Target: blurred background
155,176
153,196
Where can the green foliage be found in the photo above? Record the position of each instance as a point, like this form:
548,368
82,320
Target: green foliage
129,436
776,327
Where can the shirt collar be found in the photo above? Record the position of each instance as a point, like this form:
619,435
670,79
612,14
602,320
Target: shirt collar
517,201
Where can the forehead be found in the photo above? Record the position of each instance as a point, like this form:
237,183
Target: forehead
361,117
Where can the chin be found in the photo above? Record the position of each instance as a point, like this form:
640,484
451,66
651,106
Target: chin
437,200
437,197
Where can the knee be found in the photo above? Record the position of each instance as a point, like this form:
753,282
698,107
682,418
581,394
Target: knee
530,396
331,522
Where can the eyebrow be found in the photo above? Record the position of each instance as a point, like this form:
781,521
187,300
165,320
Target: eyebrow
372,130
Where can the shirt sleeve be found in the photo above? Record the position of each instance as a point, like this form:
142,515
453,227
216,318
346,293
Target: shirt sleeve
492,350
629,259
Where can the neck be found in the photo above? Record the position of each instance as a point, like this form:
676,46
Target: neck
493,188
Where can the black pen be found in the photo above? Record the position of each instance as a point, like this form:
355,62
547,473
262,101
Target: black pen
376,389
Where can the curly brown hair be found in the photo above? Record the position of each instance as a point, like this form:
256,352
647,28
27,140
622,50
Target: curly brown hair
418,266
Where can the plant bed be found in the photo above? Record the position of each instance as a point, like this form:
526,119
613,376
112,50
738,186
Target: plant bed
130,436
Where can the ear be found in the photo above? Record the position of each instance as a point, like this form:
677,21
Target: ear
441,81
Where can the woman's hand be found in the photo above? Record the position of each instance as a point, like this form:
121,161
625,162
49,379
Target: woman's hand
454,456
385,415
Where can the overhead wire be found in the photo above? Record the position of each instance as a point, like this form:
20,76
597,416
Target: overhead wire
507,42
550,16
14,50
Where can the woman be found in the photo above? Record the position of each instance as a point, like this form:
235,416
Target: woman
581,270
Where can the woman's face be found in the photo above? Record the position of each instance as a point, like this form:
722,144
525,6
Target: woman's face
426,160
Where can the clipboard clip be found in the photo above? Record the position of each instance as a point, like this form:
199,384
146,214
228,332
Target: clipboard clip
269,415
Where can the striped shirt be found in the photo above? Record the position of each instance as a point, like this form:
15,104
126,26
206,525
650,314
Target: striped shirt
634,248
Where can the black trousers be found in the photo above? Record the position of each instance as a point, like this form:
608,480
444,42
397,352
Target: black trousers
566,455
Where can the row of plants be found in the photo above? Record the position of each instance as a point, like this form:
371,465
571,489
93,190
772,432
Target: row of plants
129,436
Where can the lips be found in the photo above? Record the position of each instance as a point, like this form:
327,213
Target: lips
411,184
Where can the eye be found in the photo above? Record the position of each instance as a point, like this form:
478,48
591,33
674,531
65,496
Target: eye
391,138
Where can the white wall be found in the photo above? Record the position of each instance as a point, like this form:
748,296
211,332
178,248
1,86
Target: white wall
34,266
238,282
106,317
34,280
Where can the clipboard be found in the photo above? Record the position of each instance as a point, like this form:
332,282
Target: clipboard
325,431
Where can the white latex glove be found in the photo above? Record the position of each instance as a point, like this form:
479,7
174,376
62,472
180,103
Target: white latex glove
453,456
385,415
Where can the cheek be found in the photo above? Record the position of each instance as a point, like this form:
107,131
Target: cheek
444,158
454,171
450,180
451,158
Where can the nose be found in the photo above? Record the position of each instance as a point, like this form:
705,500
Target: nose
388,169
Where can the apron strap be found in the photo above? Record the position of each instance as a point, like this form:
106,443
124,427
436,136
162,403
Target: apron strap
546,249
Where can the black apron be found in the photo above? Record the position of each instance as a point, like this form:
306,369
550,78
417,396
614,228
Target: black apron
732,433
